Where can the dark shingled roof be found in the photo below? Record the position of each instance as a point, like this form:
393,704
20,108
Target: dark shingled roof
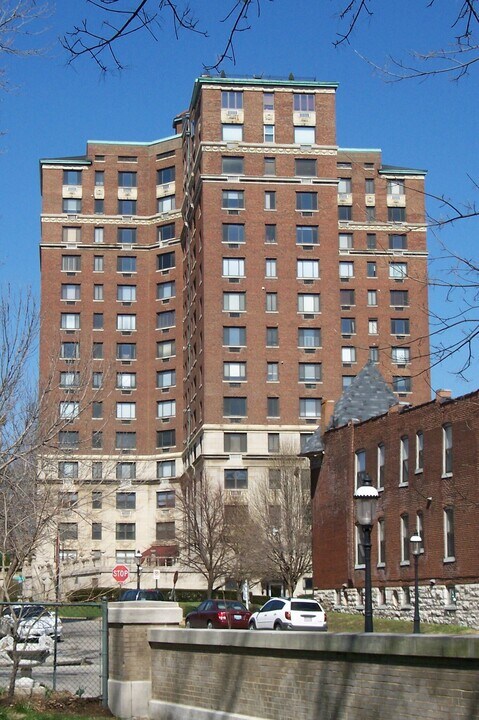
368,396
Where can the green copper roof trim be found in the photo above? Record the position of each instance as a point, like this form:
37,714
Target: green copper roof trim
396,170
75,160
359,150
266,82
131,143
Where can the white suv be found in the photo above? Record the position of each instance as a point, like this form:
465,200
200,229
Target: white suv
289,614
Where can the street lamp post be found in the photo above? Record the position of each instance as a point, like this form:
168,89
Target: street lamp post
365,500
416,543
138,558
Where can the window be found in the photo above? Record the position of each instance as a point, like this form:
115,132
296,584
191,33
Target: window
165,438
345,213
395,187
165,319
96,500
236,479
398,242
165,469
304,135
166,378
272,372
234,336
126,207
271,269
126,264
234,302
419,452
97,410
165,261
165,349
399,298
374,354
97,321
309,337
97,351
234,406
399,326
447,449
232,165
400,355
402,384
371,270
234,371
345,241
272,337
97,380
269,164
371,241
126,381
68,438
126,351
272,409
232,133
268,133
270,233
235,442
67,531
70,321
231,100
233,267
165,499
306,201
71,235
405,539
309,372
72,177
96,531
372,298
126,179
381,458
449,549
306,235
404,461
370,213
268,101
71,205
270,200
346,269
233,199
70,292
369,186
303,102
233,233
68,470
373,326
126,501
165,409
381,542
344,186
98,292
126,293
70,350
125,440
126,235
125,531
165,291
348,354
359,559
165,530
126,323
359,467
397,270
396,214
69,379
97,439
271,302
165,175
307,269
166,232
305,167
99,206
273,444
309,407
98,263
308,303
71,263
347,297
126,411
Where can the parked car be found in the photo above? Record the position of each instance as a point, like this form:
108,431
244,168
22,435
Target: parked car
141,595
289,614
219,614
30,622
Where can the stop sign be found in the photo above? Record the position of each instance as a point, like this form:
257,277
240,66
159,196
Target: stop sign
120,573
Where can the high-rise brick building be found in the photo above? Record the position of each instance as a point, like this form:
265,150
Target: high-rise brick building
218,289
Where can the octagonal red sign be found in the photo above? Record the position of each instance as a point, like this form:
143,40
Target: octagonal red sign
120,573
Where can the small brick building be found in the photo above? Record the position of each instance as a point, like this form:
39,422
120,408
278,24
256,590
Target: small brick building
423,460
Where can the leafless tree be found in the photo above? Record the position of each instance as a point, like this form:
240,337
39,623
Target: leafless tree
281,507
20,19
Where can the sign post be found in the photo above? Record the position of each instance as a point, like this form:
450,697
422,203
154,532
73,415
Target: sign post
121,573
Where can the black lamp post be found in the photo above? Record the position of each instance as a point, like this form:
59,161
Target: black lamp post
416,543
138,559
365,500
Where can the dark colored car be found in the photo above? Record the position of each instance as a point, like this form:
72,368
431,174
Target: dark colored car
126,595
219,614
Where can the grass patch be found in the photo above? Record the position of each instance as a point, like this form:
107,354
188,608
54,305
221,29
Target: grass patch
81,612
24,711
345,623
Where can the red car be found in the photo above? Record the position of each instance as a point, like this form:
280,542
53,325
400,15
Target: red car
219,614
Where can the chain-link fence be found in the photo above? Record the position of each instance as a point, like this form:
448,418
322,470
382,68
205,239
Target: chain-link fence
63,646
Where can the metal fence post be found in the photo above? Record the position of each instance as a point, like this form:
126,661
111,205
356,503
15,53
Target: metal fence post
104,652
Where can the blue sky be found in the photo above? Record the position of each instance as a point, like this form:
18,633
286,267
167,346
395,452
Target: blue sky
56,108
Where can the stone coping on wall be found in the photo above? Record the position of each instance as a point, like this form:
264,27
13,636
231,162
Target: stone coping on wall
144,612
438,646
